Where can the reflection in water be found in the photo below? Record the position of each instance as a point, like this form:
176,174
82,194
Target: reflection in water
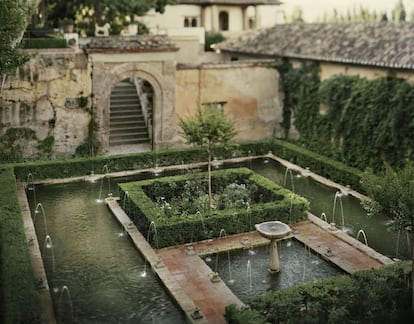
100,268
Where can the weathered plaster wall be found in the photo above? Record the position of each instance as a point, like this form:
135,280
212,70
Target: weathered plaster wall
250,93
42,107
43,101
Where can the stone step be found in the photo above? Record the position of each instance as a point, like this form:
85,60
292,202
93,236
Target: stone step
125,104
122,120
127,122
124,109
128,141
127,136
127,127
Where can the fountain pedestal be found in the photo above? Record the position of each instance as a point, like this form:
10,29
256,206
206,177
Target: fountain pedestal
273,230
274,257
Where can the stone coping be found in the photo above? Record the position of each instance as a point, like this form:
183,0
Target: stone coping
157,266
350,240
47,314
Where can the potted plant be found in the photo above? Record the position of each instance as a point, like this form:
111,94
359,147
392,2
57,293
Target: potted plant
67,25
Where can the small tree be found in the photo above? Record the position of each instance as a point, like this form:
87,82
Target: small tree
394,193
207,129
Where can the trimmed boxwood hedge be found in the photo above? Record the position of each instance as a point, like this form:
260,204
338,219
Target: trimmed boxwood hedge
18,298
57,169
280,204
370,296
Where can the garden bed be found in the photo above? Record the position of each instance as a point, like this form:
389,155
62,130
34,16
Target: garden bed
178,205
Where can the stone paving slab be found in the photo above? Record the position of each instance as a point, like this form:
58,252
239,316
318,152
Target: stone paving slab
194,276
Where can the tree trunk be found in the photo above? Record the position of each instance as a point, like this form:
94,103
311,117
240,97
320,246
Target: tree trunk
210,198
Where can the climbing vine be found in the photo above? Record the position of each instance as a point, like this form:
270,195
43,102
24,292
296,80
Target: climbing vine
360,122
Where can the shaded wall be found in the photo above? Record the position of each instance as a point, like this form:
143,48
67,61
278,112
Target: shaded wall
249,92
44,107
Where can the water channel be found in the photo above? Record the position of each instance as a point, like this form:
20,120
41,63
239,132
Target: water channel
96,262
322,199
101,268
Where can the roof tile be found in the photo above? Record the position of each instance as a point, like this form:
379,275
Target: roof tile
379,44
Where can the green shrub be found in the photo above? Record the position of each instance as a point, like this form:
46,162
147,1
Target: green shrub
177,226
44,43
371,296
212,38
18,298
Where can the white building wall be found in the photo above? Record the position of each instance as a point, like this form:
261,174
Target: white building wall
173,17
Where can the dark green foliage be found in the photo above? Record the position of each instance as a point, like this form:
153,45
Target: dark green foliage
18,298
44,43
57,169
92,145
372,296
267,201
393,192
212,38
46,146
10,143
13,21
351,119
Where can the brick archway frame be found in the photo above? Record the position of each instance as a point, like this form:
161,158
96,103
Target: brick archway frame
160,74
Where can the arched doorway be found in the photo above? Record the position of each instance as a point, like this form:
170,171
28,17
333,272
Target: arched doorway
131,114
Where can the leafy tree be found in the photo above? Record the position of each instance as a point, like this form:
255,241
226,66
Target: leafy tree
394,193
207,129
99,11
14,15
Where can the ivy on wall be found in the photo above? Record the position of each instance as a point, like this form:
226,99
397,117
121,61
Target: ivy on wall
360,122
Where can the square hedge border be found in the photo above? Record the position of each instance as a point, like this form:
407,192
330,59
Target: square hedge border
283,205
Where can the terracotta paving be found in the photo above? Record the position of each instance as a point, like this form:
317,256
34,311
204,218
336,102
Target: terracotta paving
350,258
194,275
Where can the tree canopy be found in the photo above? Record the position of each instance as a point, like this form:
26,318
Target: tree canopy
14,15
99,11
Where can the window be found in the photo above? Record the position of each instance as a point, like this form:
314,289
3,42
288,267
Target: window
223,20
251,23
214,105
190,22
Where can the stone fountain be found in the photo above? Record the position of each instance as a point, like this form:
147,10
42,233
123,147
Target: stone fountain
273,230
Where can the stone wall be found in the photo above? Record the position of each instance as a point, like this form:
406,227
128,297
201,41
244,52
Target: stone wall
249,93
44,107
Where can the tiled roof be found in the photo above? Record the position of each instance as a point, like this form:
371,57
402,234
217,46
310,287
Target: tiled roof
230,2
376,44
141,43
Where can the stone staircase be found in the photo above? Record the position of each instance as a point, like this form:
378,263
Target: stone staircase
127,122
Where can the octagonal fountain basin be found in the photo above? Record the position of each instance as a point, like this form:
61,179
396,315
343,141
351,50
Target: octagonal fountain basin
273,229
